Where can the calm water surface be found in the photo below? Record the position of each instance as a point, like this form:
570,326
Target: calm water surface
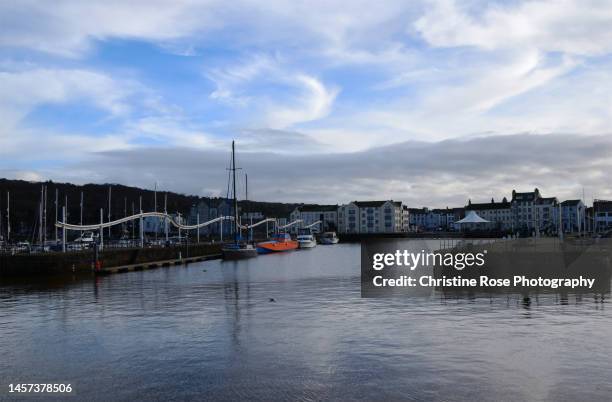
210,331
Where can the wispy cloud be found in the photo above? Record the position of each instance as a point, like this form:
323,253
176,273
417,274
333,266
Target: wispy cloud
304,98
21,91
567,26
68,27
313,102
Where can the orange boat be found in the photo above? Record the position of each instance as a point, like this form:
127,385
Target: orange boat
279,242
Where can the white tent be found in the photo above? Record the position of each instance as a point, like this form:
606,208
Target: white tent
472,221
472,217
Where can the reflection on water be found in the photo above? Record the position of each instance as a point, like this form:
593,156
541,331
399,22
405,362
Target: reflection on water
293,326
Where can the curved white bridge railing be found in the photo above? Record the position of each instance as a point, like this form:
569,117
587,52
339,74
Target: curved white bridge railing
103,225
165,216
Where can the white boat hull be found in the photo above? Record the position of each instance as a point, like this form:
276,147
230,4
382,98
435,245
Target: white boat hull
307,243
329,238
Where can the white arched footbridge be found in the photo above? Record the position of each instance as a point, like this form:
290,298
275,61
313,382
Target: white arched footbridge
168,220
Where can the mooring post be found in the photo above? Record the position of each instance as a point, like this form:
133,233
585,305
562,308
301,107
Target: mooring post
64,229
198,229
221,226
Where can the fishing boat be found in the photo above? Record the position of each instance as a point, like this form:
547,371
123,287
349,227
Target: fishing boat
306,240
279,242
329,238
238,249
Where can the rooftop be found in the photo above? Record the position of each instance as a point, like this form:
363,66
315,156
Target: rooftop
443,211
571,202
317,208
602,206
528,196
547,200
504,204
372,204
418,210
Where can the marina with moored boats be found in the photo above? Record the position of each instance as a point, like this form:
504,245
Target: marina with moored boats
91,239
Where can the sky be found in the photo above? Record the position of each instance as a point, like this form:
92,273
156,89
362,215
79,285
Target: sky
428,102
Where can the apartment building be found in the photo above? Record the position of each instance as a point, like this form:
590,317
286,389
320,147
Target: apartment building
405,218
417,219
371,217
444,218
532,212
573,216
499,213
602,215
547,214
437,219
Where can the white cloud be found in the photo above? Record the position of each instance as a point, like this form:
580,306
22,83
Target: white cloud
22,91
304,97
26,175
67,27
24,145
314,102
231,80
169,130
575,27
495,84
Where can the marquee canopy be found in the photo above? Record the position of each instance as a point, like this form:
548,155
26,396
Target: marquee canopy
472,217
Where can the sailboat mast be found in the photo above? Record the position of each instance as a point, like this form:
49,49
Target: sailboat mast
246,207
234,189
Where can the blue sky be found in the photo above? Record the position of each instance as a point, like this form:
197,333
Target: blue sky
88,88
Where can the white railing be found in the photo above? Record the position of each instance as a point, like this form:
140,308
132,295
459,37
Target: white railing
162,215
167,218
103,225
299,221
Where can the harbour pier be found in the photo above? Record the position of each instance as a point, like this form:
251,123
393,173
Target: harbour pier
107,261
102,257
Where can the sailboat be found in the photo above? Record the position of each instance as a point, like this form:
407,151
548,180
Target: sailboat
237,250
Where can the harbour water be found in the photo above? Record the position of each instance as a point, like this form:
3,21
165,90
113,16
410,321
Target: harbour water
292,326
